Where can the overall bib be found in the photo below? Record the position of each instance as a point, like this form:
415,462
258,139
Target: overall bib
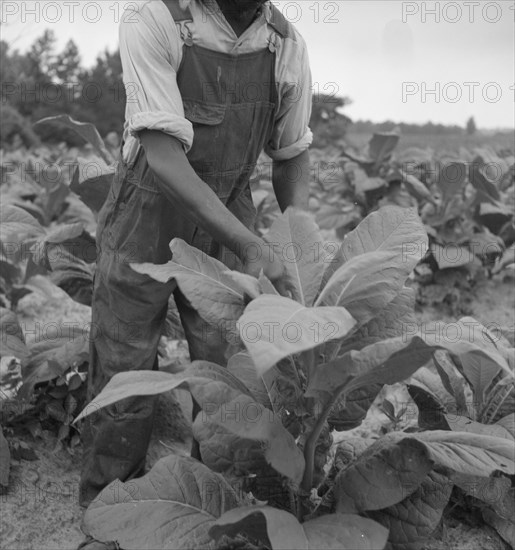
231,101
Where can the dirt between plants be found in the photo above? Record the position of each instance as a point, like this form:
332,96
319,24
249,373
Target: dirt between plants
40,509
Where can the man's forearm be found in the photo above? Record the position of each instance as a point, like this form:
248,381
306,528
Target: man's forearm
290,179
181,185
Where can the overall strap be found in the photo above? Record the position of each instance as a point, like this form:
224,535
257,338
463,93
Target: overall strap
280,24
178,12
182,17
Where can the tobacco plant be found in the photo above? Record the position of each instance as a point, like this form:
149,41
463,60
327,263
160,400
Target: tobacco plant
466,203
298,367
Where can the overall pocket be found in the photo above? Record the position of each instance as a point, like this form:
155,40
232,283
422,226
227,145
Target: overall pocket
208,151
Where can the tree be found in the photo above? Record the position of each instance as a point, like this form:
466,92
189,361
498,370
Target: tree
67,65
104,95
471,126
42,57
327,123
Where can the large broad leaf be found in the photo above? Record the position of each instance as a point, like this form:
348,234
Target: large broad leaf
277,528
499,401
85,130
504,526
279,389
496,166
366,284
500,513
71,274
207,383
469,453
216,373
416,188
350,410
51,358
486,245
248,419
468,343
53,201
204,281
294,236
242,366
411,521
16,226
458,423
70,238
76,211
369,189
12,340
486,188
91,181
227,453
452,256
221,404
379,150
496,492
452,380
280,530
451,179
385,362
390,322
274,327
28,206
335,217
340,285
393,468
173,506
494,216
337,531
391,228
431,412
69,271
508,423
381,146
283,386
384,474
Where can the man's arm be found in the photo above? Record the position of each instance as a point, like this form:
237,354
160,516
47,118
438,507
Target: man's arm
181,185
290,179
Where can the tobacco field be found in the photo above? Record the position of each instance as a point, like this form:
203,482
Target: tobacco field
373,408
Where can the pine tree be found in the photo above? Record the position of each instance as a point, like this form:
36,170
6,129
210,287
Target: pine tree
471,126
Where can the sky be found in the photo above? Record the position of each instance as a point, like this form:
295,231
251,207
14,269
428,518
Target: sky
396,60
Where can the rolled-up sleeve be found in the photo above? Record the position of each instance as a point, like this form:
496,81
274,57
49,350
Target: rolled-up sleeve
150,51
291,135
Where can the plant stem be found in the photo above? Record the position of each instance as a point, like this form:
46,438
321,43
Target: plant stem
311,442
309,362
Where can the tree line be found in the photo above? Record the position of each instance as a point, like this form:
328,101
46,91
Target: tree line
44,82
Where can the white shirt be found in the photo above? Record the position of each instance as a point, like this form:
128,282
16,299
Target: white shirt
151,53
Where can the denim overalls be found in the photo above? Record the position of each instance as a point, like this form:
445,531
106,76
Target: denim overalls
231,100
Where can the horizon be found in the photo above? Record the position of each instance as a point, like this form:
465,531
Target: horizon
397,60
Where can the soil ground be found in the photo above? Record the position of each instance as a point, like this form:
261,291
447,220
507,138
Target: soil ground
40,509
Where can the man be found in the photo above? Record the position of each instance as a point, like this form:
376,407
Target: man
210,84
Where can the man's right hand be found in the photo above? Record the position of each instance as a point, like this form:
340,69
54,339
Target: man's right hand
270,263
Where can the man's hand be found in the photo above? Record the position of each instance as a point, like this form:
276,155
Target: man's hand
269,262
